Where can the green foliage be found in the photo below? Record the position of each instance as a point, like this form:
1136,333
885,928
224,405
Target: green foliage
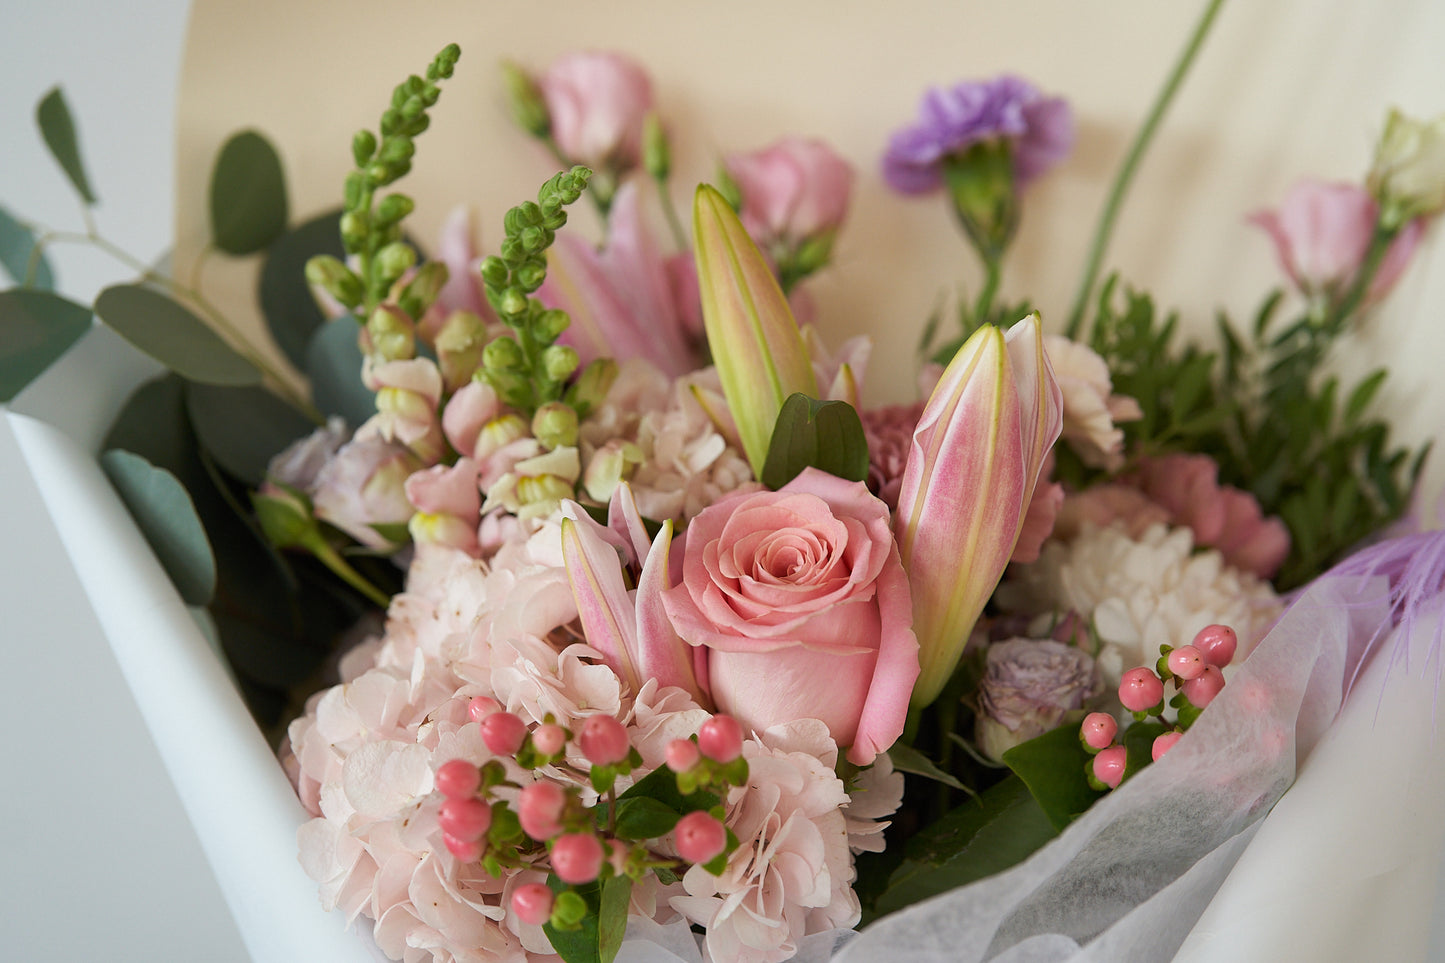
826,435
167,331
248,195
167,518
597,935
333,363
287,303
20,256
905,758
56,126
36,328
1052,766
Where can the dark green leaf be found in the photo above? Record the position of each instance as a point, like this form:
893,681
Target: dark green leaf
243,428
1139,745
908,759
643,818
1052,766
17,246
333,363
661,785
170,333
612,917
987,835
58,129
167,517
583,944
286,299
36,328
827,435
248,195
1363,394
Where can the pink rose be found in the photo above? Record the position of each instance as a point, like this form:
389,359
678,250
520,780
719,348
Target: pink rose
794,190
597,102
801,599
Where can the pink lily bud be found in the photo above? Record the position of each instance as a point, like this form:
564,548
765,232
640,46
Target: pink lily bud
540,807
975,460
597,102
720,739
682,755
1201,690
1217,643
532,902
1140,689
755,341
700,837
577,858
503,733
1098,730
603,740
1109,766
458,779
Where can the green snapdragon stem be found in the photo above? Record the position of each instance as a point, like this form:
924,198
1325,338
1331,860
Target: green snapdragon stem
1125,176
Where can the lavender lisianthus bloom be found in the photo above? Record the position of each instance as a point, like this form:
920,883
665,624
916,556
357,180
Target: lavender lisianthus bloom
950,121
1029,685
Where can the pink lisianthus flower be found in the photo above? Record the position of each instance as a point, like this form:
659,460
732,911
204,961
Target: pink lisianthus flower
797,586
597,102
1321,232
1028,687
792,191
363,486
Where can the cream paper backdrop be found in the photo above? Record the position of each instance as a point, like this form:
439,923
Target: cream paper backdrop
1282,89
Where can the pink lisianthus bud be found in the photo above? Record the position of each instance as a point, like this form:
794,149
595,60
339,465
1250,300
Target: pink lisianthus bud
1109,766
1201,690
482,706
466,850
532,902
540,808
577,858
1217,643
1098,730
365,485
1163,744
1187,662
1140,690
549,739
720,739
700,837
793,190
603,740
458,779
597,102
682,755
466,818
1028,686
503,733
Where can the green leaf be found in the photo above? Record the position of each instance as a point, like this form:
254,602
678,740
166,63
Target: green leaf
987,835
1139,746
827,435
1363,394
584,943
170,333
908,759
243,427
167,517
1052,766
612,917
661,785
36,328
333,363
56,126
248,195
644,818
17,246
291,312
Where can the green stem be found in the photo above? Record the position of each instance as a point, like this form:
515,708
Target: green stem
983,307
1125,176
1374,256
332,559
679,236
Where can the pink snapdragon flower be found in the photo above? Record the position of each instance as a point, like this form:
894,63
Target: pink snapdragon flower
792,191
597,102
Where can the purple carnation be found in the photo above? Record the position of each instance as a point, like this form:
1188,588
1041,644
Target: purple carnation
950,121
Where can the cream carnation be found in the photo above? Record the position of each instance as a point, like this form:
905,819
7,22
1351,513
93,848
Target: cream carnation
1090,408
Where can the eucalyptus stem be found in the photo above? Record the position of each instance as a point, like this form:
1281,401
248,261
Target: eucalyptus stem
1125,176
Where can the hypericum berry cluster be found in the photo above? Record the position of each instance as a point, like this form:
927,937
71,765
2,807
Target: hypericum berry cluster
1195,670
583,844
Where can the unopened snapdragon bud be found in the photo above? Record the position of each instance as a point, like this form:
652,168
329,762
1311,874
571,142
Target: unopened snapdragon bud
555,425
390,334
394,260
392,208
559,361
656,153
551,323
502,354
529,109
423,288
336,279
459,346
592,386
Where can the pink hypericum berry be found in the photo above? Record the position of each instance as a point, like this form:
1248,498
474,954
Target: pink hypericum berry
577,858
467,850
482,706
682,755
464,818
549,739
458,779
700,837
1186,662
720,739
503,733
1201,690
539,809
1099,730
603,740
532,902
1109,766
1218,643
1164,743
1140,689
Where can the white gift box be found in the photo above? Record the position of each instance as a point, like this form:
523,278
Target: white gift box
1259,112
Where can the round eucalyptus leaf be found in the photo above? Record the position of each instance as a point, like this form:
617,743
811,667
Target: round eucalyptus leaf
333,363
170,333
243,427
248,195
17,247
286,300
36,328
58,129
166,516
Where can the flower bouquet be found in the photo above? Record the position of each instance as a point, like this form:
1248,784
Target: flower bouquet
687,652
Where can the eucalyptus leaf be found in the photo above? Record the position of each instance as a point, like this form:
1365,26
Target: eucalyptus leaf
248,195
827,435
58,129
291,312
36,328
170,333
333,363
1052,766
243,427
166,516
17,247
908,759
